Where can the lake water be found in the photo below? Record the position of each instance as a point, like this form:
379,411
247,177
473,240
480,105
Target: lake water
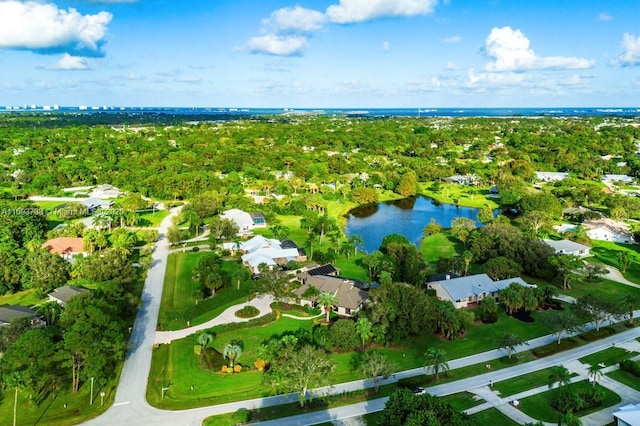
406,217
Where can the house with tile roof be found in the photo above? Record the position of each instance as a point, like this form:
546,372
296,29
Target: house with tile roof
268,251
67,247
349,298
606,229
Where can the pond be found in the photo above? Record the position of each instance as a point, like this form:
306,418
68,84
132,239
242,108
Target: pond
406,217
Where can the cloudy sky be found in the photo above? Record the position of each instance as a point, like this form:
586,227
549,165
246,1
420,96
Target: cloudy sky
320,53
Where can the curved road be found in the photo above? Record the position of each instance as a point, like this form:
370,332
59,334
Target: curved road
131,407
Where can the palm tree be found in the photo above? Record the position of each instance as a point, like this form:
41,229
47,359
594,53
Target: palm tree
364,329
16,380
468,257
327,300
345,248
356,241
204,339
631,302
559,375
232,351
437,361
595,373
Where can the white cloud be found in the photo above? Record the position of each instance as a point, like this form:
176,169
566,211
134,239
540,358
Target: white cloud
40,26
273,44
349,11
386,46
297,19
453,39
604,17
630,51
451,66
68,62
510,50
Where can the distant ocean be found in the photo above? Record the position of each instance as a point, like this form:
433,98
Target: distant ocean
356,112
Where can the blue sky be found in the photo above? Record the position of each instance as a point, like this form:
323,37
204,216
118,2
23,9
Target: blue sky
317,53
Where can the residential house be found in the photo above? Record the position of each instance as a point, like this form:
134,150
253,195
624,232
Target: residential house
246,222
618,179
11,312
568,247
551,176
62,295
627,415
462,180
349,298
606,229
270,252
469,290
106,191
326,269
67,247
92,204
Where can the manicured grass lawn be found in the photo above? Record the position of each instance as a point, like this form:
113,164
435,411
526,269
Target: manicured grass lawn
493,417
151,219
176,363
463,400
524,383
607,252
538,406
178,303
24,298
52,411
610,291
439,246
350,269
609,356
465,195
626,378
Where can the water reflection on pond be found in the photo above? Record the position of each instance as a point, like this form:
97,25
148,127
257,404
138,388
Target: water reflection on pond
405,217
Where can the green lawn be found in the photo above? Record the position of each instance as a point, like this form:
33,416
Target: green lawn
625,378
493,417
464,195
178,303
524,383
607,253
463,400
151,219
609,356
439,246
610,291
23,298
538,406
52,411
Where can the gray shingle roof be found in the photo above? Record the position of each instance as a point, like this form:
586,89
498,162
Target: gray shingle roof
566,246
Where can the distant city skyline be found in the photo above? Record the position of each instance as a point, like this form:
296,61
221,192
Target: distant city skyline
320,53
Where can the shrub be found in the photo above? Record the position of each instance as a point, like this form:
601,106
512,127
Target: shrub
195,249
242,416
593,335
260,364
223,369
229,370
413,382
630,366
489,317
342,335
237,368
197,349
247,311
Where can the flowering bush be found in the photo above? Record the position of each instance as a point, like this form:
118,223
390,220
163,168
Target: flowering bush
237,368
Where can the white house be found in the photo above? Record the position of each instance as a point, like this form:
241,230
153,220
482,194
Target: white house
106,191
606,229
609,179
271,252
551,176
245,221
463,291
627,415
568,247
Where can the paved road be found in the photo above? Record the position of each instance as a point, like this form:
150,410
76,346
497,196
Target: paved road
460,385
131,407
